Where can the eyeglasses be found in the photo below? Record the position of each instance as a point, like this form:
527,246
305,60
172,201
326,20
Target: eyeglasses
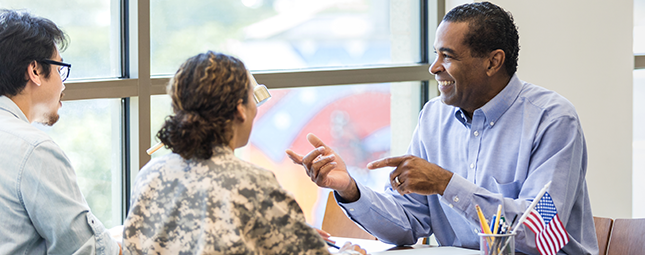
64,69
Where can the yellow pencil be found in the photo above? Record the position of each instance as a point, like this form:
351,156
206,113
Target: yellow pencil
482,219
499,213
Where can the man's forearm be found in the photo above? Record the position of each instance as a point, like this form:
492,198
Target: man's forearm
351,194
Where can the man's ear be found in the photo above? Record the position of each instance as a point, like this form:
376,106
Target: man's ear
33,73
241,111
495,61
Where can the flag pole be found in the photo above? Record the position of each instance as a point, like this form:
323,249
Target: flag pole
528,210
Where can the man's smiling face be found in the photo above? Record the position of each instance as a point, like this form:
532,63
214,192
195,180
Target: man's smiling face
462,78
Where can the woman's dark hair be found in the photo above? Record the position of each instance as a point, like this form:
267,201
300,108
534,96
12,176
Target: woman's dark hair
205,93
25,38
491,28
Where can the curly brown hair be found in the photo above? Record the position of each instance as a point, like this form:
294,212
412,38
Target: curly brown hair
205,93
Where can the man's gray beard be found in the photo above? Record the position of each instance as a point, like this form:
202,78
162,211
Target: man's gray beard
50,119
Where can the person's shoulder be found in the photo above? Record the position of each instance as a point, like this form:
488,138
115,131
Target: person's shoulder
256,170
22,131
162,165
168,160
252,175
224,162
547,100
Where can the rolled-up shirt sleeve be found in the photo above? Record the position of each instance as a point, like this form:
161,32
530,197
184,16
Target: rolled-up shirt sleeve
53,200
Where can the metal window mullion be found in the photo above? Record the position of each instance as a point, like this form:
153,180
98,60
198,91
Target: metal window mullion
126,154
415,72
425,49
143,60
429,22
125,157
114,88
327,77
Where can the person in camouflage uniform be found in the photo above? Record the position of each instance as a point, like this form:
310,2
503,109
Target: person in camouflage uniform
202,199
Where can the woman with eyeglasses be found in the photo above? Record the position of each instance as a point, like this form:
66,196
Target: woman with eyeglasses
201,198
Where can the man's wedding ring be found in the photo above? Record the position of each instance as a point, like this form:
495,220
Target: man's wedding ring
396,179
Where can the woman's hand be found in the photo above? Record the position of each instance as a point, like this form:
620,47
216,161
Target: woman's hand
349,248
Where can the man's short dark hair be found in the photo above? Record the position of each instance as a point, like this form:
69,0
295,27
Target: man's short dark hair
25,38
491,28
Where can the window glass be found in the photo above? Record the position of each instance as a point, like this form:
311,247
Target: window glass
159,108
92,29
639,26
88,133
285,34
353,119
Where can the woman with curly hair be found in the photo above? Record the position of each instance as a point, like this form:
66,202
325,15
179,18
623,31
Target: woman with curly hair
201,198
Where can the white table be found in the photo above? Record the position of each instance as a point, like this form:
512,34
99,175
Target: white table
375,247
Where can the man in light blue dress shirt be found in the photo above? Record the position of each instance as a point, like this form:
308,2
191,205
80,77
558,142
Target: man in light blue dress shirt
489,139
41,206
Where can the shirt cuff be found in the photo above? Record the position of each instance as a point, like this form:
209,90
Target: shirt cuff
360,206
104,242
459,193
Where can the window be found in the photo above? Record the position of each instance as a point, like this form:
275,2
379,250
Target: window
92,29
284,34
352,119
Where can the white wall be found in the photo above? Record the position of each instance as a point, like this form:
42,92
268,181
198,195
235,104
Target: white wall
583,50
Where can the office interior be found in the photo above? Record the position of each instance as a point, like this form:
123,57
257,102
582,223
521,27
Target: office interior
585,50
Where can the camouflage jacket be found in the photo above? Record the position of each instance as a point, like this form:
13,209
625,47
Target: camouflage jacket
223,205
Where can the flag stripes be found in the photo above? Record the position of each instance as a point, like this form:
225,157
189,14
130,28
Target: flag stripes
550,234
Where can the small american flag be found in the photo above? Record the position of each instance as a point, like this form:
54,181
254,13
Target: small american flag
550,235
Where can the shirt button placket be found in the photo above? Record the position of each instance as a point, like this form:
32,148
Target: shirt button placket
478,123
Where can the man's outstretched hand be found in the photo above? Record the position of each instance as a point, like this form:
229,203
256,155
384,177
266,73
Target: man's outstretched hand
326,169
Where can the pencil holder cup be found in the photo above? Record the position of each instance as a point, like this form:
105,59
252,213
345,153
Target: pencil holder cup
497,244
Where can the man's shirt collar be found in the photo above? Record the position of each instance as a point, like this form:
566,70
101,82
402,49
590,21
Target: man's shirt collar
6,104
494,109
